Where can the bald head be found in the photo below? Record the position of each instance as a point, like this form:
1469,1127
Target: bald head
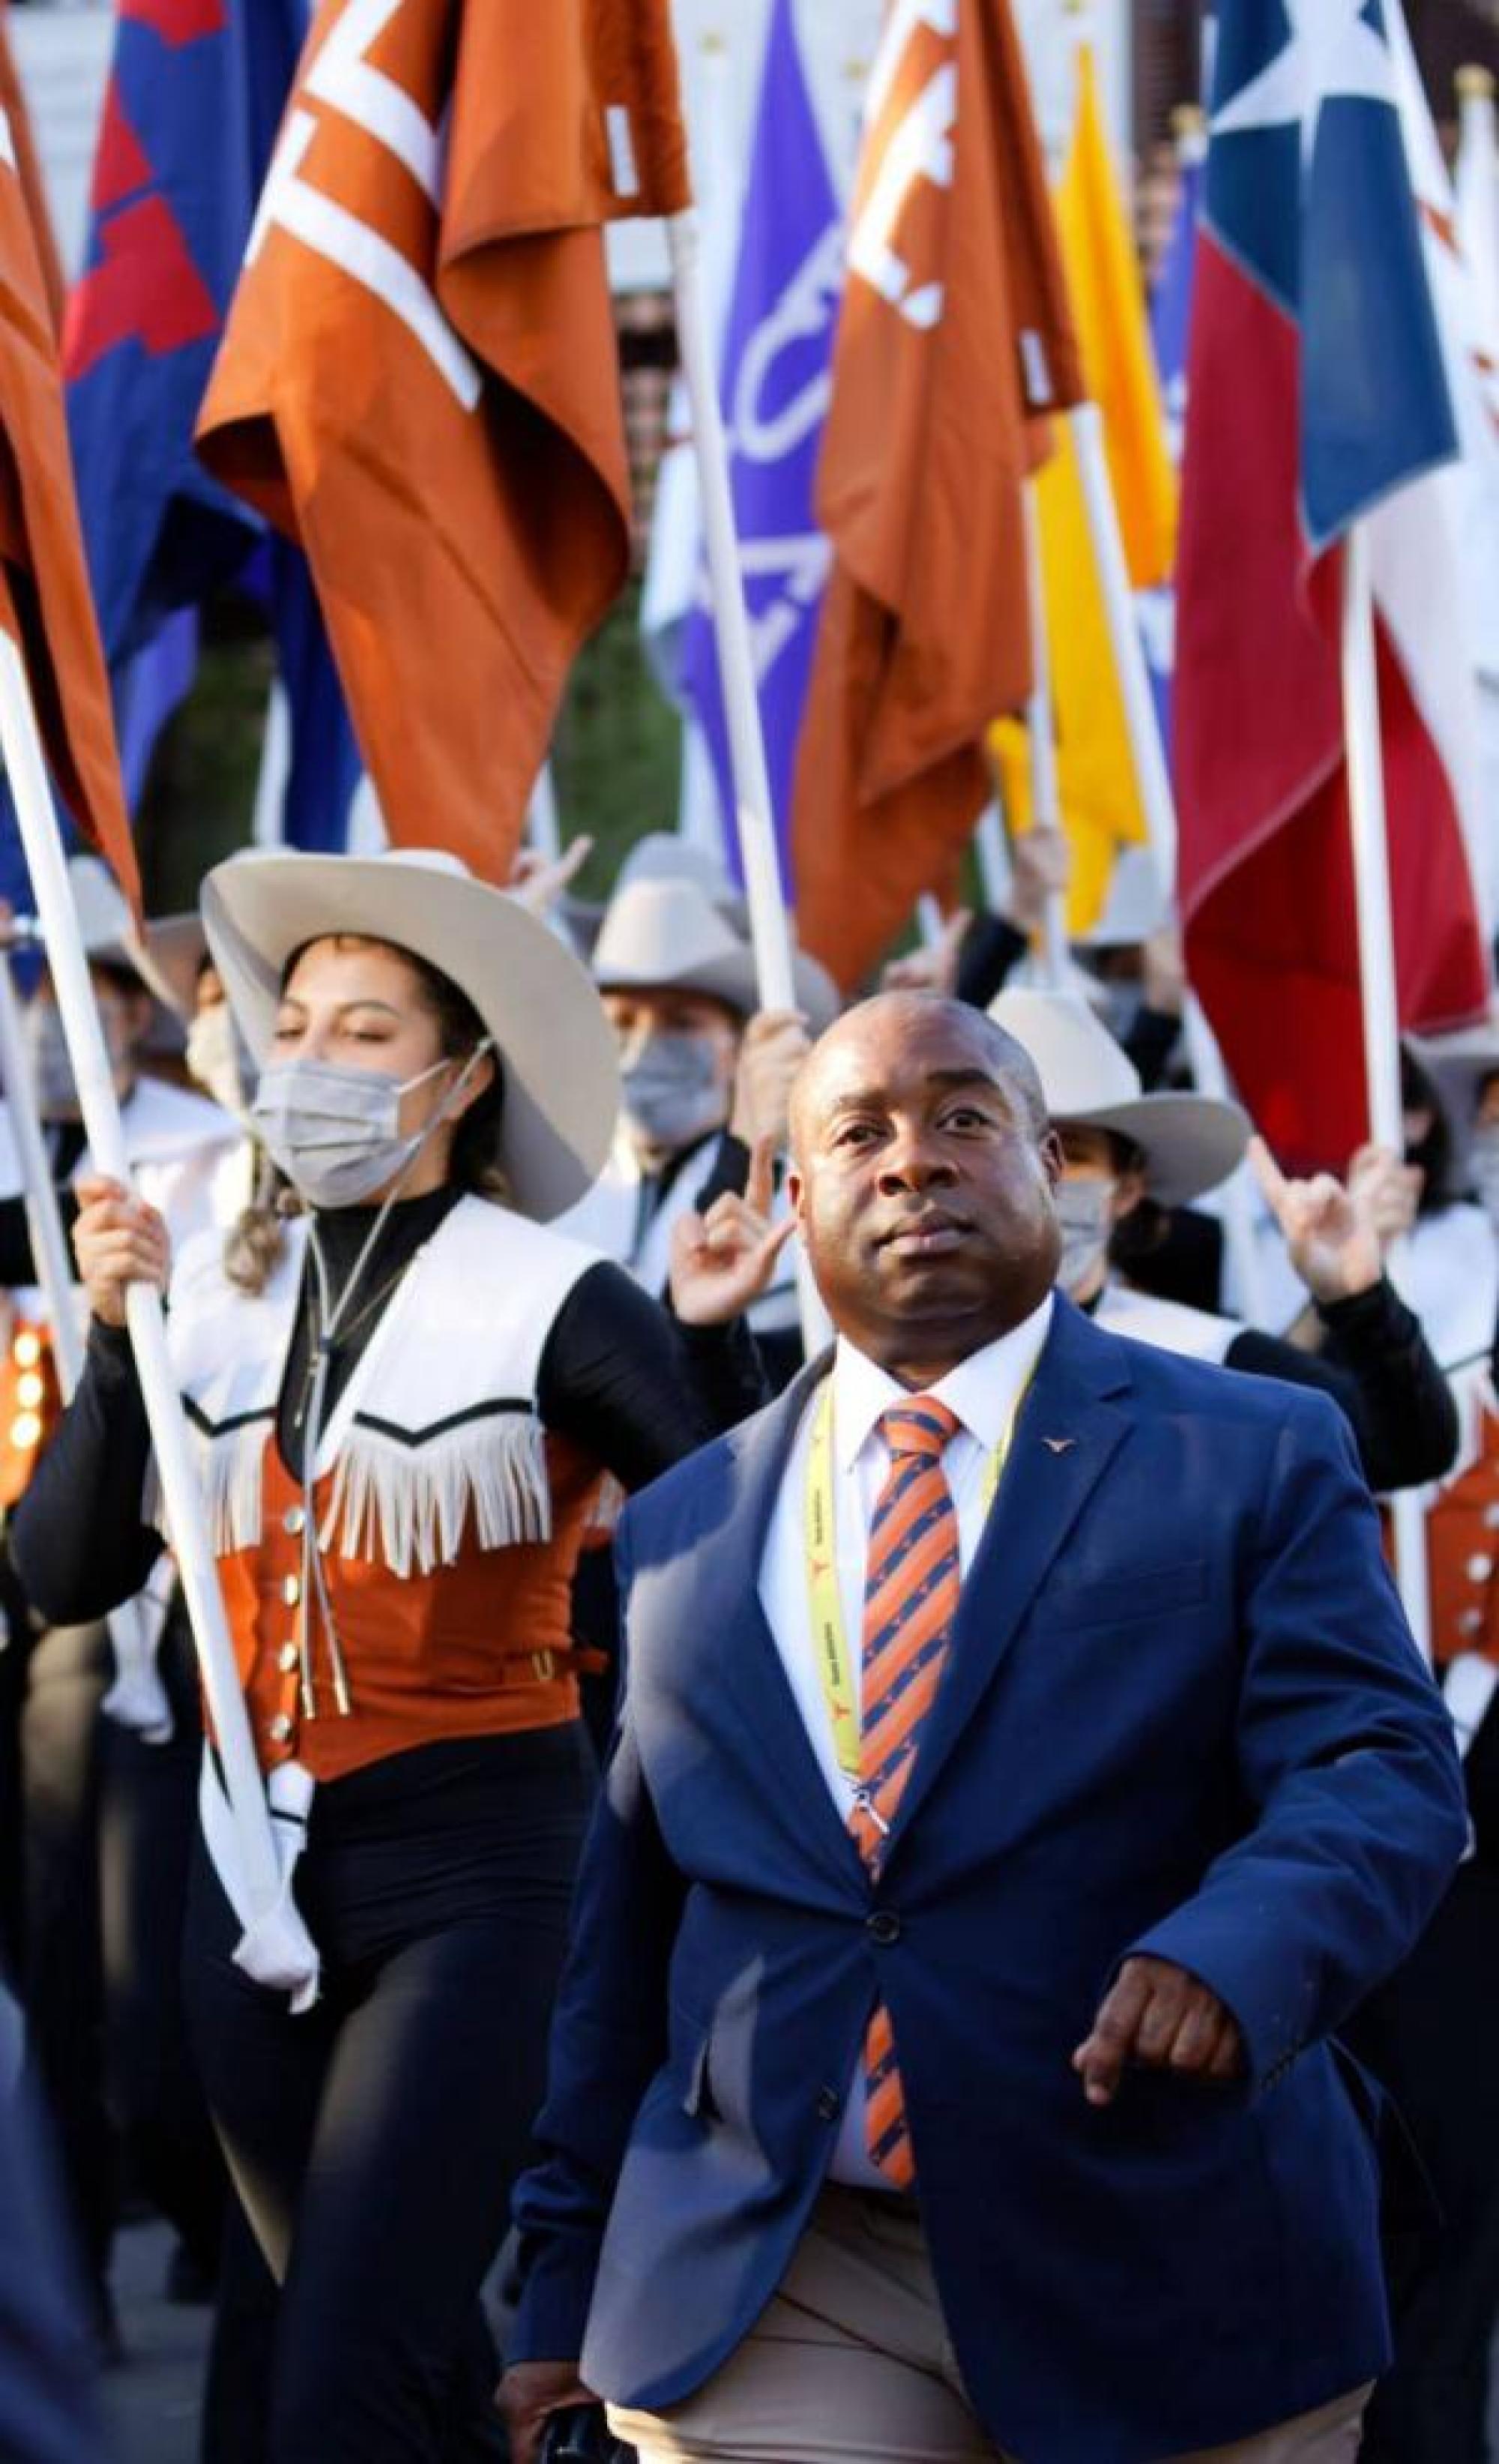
1005,1059
922,1170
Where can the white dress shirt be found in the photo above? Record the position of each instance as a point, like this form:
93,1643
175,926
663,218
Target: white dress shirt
983,1394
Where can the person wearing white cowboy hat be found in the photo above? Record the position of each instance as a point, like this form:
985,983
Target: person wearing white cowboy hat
1122,1146
103,1804
406,1397
705,1077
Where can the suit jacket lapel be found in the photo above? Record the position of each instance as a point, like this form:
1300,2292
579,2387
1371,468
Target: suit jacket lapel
1041,1494
749,1663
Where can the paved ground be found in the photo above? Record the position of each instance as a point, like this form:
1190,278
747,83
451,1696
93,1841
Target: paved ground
151,2399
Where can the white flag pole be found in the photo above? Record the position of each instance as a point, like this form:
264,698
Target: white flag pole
544,827
1157,802
1141,721
769,929
276,1949
1376,975
137,1698
43,1220
1046,795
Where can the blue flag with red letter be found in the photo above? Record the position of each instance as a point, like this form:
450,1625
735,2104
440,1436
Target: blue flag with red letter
1317,399
194,101
776,387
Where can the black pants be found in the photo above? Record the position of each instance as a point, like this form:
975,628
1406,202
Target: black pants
376,2139
1430,2035
108,1822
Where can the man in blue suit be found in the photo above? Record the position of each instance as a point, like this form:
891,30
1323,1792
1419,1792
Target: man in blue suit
958,2080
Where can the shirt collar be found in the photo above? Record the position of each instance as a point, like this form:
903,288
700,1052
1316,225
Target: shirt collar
984,1391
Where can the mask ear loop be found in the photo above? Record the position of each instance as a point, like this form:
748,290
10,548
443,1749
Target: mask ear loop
315,1581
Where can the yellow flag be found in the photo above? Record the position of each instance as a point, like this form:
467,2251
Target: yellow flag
1101,808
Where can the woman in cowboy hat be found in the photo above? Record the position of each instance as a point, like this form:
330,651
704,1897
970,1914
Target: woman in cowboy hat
1125,1150
406,1396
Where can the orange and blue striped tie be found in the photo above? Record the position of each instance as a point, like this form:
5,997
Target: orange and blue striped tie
910,1600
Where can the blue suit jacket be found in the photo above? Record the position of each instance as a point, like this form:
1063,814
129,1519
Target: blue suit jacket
1182,1714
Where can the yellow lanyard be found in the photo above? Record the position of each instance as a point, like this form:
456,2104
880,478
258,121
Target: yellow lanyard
841,1682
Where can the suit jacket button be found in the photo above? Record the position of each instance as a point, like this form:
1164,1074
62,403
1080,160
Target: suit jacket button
829,2105
884,1926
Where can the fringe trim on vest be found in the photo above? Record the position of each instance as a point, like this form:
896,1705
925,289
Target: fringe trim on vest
232,1468
406,1505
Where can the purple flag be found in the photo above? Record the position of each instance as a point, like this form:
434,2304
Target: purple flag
775,383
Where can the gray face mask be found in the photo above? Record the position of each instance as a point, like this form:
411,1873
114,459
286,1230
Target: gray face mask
1082,1210
336,1132
219,1058
52,1070
672,1091
47,1049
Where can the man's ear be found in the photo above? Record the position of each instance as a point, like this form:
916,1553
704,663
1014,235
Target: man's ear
796,1192
1053,1160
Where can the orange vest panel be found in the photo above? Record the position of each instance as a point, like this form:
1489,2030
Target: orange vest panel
469,1650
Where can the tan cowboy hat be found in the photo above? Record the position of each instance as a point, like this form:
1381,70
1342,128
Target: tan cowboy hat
667,934
561,1076
1190,1143
165,959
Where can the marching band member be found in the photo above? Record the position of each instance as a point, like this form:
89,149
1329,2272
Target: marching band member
1122,1146
706,1075
406,1395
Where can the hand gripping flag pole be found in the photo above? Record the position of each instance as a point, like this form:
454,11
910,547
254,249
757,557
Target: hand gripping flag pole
769,928
137,1698
276,1949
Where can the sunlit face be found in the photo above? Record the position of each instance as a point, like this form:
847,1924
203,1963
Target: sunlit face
922,1183
361,1006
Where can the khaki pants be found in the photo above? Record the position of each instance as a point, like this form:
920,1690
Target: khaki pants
850,2364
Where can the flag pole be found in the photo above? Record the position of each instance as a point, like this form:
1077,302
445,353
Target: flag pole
769,930
543,826
276,1949
1157,802
1046,793
1378,985
137,1698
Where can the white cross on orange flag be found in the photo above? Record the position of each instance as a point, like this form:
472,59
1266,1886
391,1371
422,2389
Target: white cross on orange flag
420,378
45,602
955,340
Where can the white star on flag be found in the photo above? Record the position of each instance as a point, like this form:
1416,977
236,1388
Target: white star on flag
1333,53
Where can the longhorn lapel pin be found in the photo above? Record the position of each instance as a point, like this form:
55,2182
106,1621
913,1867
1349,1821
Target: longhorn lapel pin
1059,1446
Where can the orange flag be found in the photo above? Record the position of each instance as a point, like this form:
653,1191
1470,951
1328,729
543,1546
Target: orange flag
45,602
954,342
420,381
28,163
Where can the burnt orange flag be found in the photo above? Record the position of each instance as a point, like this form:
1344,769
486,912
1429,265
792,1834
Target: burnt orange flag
28,163
420,380
954,342
45,600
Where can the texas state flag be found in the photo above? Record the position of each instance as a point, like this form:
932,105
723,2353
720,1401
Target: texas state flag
1316,398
